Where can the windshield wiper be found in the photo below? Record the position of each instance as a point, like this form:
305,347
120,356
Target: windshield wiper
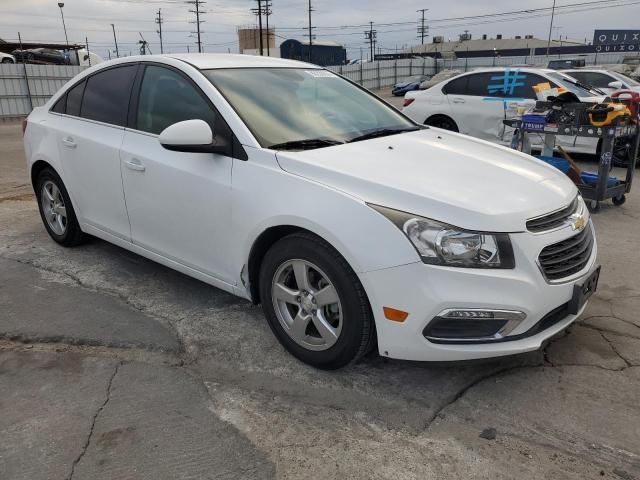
383,132
306,144
586,86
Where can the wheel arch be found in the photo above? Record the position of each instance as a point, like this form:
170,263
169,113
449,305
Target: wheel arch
37,167
264,241
443,116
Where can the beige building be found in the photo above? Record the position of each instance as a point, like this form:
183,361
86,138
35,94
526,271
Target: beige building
249,41
465,42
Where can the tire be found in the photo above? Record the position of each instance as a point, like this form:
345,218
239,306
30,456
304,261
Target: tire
351,328
618,201
53,198
442,121
7,60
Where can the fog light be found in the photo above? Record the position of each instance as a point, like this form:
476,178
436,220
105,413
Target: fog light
472,325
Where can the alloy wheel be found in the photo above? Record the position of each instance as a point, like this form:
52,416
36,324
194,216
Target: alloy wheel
307,304
55,211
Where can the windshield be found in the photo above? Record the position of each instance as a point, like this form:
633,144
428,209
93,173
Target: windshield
567,82
624,79
285,105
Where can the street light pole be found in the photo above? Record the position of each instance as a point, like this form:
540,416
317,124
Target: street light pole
60,5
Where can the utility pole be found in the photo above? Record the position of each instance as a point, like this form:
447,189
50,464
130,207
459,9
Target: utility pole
370,36
86,41
115,40
422,29
159,22
258,11
553,11
198,12
267,12
310,35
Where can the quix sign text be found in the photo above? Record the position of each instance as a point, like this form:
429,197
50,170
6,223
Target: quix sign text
617,40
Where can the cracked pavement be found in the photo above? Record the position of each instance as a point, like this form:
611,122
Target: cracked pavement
112,366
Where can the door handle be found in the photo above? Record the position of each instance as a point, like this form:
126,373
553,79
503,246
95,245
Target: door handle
458,100
69,142
135,164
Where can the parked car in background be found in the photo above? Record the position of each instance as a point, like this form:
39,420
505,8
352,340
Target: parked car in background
604,80
476,103
349,222
46,55
407,85
6,58
566,63
439,77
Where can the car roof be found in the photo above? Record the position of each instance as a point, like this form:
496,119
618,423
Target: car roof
598,70
229,60
522,69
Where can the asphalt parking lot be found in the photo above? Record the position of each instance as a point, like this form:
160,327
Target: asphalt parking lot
112,366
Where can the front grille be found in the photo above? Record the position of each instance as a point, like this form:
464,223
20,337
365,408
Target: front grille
567,257
552,220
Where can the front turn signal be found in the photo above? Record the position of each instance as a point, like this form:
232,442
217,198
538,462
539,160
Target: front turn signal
394,314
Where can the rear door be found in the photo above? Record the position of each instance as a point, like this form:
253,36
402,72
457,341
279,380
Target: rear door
179,203
89,140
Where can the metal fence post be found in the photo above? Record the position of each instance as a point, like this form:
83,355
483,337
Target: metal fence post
379,78
26,76
424,66
361,79
395,71
411,67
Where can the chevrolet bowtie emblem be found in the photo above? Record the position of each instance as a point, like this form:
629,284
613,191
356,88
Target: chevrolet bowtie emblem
578,222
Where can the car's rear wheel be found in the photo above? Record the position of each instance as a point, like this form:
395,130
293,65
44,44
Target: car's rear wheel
442,121
56,210
315,303
7,60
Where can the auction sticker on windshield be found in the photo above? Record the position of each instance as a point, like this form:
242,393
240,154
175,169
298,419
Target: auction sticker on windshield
320,73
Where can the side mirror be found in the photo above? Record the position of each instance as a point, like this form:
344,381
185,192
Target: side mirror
192,136
616,85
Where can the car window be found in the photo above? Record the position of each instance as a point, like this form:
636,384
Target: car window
457,86
524,87
480,84
106,98
167,97
61,105
595,79
74,99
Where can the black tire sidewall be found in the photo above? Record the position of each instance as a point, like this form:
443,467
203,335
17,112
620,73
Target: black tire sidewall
355,309
73,227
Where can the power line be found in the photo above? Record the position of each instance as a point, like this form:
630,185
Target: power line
198,12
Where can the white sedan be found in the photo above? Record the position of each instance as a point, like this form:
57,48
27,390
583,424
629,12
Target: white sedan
285,184
605,80
476,103
6,58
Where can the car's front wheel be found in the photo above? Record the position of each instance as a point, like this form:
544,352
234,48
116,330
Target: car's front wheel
56,210
315,303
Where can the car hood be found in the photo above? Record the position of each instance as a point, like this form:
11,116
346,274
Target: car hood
441,175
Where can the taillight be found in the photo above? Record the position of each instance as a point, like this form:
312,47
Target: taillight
24,126
408,101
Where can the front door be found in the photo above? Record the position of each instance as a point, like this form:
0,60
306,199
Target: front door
179,203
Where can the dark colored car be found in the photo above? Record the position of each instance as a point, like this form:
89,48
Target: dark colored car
46,55
566,63
407,85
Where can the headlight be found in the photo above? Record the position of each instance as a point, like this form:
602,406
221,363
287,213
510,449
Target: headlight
441,244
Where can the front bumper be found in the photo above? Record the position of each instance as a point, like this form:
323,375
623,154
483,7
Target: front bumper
425,290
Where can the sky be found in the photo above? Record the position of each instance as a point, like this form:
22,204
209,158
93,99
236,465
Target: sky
338,20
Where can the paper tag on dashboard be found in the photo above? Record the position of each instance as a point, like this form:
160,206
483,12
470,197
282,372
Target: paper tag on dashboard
320,73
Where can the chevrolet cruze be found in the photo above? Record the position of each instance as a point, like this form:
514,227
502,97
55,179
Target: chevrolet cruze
285,184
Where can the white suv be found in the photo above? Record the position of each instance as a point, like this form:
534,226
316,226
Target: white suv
285,184
476,103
